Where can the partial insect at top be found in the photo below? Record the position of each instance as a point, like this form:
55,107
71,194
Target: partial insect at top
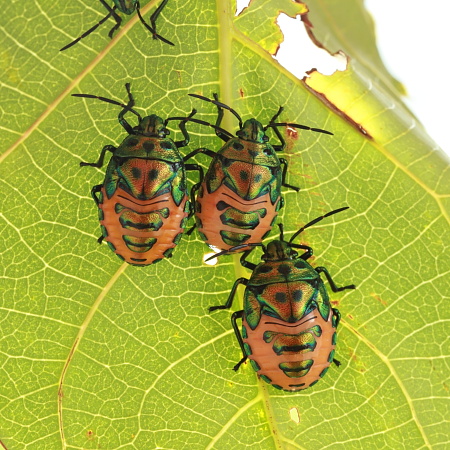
126,7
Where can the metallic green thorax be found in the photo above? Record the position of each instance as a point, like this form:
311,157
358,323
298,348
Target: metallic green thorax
147,164
285,287
126,6
249,168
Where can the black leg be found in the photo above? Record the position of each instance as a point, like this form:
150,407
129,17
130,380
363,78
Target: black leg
191,230
279,148
220,132
245,263
229,301
100,239
182,126
219,113
99,163
337,317
95,189
200,171
284,163
194,190
204,150
336,362
116,17
307,254
130,104
331,282
153,18
238,315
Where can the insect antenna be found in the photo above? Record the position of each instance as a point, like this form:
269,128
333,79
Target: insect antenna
220,105
127,107
202,122
296,125
317,219
185,119
233,249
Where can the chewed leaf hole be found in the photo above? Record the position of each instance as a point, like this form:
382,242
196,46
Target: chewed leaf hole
294,415
312,56
241,5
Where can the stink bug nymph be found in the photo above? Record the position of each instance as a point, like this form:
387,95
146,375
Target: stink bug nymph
126,7
239,199
142,203
288,324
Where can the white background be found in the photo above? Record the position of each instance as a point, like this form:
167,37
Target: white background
413,38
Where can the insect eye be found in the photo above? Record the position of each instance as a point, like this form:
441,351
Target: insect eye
267,151
237,146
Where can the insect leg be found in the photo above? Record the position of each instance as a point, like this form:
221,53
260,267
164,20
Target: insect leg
153,18
332,283
229,301
307,254
279,148
99,163
194,190
284,163
116,17
182,126
238,315
220,113
129,105
337,317
95,189
204,150
245,263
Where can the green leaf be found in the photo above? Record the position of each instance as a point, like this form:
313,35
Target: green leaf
98,354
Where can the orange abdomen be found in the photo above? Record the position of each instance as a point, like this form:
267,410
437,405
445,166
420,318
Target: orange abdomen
141,232
225,220
291,356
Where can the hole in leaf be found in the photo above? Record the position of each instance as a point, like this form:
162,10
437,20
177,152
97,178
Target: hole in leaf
310,56
295,416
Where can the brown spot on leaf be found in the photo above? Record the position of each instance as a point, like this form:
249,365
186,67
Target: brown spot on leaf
324,99
292,132
377,297
90,435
